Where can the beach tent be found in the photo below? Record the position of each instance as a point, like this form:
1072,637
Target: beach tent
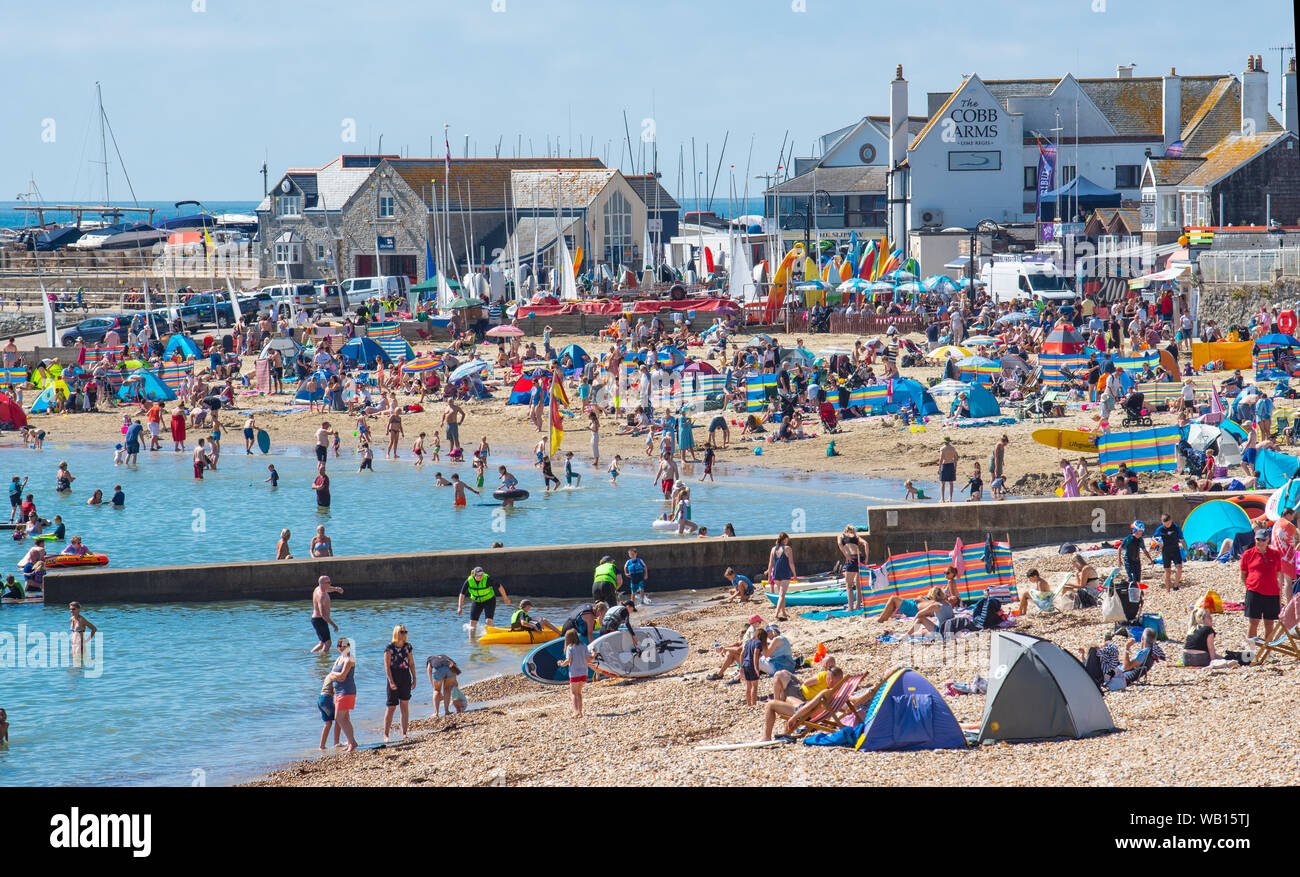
1266,351
301,395
1038,691
577,357
982,403
906,714
1064,339
1214,521
365,352
43,401
389,337
11,414
1275,469
184,345
798,355
287,346
1201,435
908,391
522,392
152,386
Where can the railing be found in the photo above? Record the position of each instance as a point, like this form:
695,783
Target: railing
1249,266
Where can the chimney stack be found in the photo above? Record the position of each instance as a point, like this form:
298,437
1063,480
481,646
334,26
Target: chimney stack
1172,116
898,129
1289,106
1124,71
1254,97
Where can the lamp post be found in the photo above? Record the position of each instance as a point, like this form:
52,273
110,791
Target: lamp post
984,226
808,224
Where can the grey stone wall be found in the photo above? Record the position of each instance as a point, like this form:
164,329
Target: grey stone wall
1235,305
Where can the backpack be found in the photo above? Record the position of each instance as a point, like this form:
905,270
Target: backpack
987,613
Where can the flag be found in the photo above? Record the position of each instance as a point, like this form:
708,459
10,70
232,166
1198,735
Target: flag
1046,170
211,248
559,401
957,549
1174,150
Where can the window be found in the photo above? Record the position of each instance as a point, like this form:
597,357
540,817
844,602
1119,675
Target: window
288,205
1127,175
1031,178
1168,211
288,254
618,229
321,255
387,207
865,211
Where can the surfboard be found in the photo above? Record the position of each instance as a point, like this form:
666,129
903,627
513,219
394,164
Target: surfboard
1170,365
832,613
30,599
263,441
542,664
1067,440
655,650
812,598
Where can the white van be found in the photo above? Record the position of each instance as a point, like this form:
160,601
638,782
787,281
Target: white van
1008,280
282,296
356,290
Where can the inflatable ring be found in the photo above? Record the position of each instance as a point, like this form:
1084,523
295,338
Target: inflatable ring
517,493
661,524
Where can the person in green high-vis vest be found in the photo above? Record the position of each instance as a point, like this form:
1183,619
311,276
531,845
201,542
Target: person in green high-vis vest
482,593
608,581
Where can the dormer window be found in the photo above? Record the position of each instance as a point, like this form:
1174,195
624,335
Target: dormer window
288,205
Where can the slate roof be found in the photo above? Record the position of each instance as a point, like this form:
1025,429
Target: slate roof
836,180
487,179
1228,155
645,185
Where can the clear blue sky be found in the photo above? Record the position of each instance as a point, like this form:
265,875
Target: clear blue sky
198,98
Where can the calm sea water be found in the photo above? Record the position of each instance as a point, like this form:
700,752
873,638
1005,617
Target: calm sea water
231,515
220,692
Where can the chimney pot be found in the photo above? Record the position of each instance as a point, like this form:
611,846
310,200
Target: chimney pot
1291,67
898,72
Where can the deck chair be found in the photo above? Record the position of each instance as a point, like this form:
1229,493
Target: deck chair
831,717
1287,642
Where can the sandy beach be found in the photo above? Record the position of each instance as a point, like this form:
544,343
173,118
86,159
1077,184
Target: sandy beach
1182,727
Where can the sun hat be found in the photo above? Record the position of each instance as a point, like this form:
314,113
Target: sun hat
755,619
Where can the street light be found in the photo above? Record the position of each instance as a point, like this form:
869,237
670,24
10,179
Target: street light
984,226
807,229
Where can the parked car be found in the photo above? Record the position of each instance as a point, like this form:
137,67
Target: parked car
359,290
286,296
208,307
93,330
329,297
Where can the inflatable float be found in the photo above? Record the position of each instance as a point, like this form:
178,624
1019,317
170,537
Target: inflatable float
664,524
504,636
836,597
59,561
516,494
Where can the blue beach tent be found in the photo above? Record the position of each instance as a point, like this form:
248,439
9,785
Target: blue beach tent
1214,521
185,345
303,396
153,387
982,403
906,714
1275,469
43,401
907,391
365,352
577,357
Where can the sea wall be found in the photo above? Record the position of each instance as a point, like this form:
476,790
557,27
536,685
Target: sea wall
564,572
1236,304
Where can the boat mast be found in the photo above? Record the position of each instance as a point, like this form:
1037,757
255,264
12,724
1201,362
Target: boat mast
103,141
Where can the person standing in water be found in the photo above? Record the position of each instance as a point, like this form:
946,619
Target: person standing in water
321,545
458,490
345,691
322,487
320,615
948,458
78,624
483,593
399,667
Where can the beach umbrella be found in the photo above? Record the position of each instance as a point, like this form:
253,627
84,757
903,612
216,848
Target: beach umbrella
949,388
422,364
462,303
898,275
966,283
836,351
854,285
911,287
759,340
939,283
813,286
948,350
1015,364
504,332
1063,339
980,341
474,366
979,368
879,287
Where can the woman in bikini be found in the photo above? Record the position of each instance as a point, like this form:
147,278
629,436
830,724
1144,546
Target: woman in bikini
855,554
780,570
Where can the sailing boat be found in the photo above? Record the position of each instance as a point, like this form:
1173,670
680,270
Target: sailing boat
568,282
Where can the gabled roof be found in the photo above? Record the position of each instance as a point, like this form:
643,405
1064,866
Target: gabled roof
836,180
328,187
1171,171
573,187
645,187
1229,154
486,179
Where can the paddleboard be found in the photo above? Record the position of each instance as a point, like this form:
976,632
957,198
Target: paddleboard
832,613
812,598
506,636
542,664
1067,440
30,599
655,650
263,441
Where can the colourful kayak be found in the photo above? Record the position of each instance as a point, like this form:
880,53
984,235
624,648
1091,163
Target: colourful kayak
499,636
834,597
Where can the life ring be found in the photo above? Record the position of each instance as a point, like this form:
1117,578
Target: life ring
677,292
60,560
517,493
1286,322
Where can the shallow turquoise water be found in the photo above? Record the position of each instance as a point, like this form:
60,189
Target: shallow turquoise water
220,692
172,518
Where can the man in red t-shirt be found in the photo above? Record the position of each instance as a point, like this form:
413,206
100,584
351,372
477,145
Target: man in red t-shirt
1261,569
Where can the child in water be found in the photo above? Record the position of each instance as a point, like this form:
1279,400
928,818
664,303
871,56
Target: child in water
613,469
119,455
367,458
569,475
439,481
547,475
274,478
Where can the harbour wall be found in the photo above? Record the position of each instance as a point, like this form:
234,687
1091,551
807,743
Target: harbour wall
564,572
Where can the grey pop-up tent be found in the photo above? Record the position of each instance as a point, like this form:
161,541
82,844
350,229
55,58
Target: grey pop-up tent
1038,691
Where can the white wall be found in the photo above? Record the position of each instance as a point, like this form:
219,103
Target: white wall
1096,161
848,153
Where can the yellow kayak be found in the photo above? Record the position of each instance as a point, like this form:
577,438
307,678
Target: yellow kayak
505,636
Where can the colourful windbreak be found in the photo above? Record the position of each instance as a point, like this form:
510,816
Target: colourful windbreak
1054,363
1143,450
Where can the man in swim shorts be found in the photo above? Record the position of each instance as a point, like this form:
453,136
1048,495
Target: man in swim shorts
460,487
948,457
452,417
320,613
483,593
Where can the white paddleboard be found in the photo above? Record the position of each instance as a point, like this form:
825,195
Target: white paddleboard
655,650
752,744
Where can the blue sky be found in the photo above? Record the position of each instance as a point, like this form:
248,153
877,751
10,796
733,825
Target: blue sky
198,99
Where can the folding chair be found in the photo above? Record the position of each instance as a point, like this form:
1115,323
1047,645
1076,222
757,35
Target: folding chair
1287,643
829,717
